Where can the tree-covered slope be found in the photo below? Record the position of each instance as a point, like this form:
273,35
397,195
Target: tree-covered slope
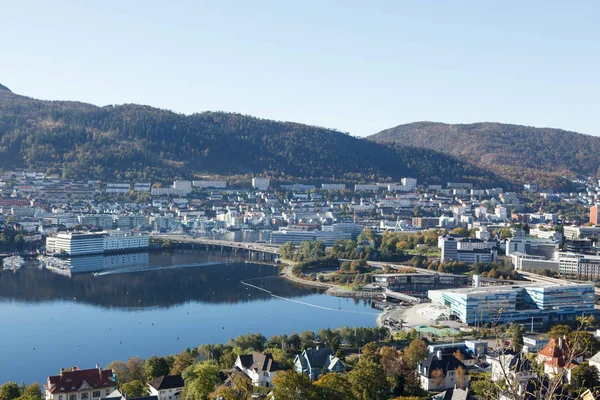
519,153
141,142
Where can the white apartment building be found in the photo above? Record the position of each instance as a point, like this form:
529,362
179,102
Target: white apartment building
531,245
261,183
75,243
409,183
142,186
118,187
184,186
529,262
210,184
470,252
333,186
546,234
83,243
119,240
366,188
473,244
580,232
501,212
578,264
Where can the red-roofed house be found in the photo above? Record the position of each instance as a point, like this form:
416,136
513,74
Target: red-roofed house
80,384
558,359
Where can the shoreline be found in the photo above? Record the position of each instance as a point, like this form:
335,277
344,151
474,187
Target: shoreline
331,289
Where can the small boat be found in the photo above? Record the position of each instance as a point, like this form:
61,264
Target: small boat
13,263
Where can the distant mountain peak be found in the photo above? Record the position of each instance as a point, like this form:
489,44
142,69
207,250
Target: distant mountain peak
2,87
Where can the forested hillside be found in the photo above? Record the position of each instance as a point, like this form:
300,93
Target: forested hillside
141,142
518,153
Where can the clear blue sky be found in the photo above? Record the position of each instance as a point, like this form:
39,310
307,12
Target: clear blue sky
356,66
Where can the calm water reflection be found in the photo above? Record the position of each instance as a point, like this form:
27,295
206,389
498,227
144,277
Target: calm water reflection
49,321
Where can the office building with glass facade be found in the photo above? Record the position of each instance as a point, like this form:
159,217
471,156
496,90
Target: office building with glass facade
532,303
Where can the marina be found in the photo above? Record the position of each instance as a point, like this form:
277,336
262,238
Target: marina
12,263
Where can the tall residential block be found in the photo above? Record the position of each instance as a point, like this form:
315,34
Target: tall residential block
594,215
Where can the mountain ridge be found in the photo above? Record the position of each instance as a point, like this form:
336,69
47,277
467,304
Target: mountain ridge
518,153
132,141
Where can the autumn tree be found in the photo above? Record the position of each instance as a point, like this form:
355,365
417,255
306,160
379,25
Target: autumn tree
9,391
155,367
182,361
391,361
368,380
415,353
241,388
334,386
584,376
516,336
200,380
135,367
120,369
31,392
307,339
290,385
287,251
133,389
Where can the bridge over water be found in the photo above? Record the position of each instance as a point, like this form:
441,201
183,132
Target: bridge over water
256,251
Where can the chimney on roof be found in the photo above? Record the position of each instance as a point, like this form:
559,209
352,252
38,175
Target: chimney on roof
438,354
62,371
560,343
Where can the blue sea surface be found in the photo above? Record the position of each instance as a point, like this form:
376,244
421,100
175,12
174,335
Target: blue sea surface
49,321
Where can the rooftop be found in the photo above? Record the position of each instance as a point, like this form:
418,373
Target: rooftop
167,382
509,288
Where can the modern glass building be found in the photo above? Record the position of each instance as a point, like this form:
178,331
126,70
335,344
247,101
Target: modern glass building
539,303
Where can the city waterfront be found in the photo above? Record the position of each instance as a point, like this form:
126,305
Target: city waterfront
52,320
